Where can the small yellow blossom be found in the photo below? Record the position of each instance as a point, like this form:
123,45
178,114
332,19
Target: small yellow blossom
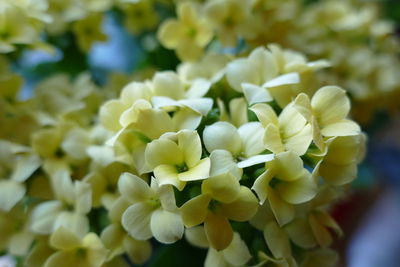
88,31
188,35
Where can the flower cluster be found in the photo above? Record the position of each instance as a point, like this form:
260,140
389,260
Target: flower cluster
221,149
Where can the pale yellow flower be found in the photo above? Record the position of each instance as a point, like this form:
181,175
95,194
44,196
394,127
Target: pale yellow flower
17,164
231,18
232,149
88,31
339,164
177,161
285,183
139,16
222,199
117,240
73,250
72,202
236,254
188,35
327,112
288,132
152,210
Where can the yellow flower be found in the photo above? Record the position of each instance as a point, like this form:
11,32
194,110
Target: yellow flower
152,210
231,18
117,240
236,254
88,31
178,161
327,112
17,164
72,202
16,238
139,16
339,164
222,199
288,132
74,251
285,183
233,149
188,35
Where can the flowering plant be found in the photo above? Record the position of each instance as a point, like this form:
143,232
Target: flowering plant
239,152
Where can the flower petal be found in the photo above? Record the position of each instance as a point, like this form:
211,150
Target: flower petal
133,188
341,128
283,211
277,240
272,139
195,210
265,114
11,192
190,144
163,151
298,191
255,94
224,187
252,135
218,230
222,162
197,172
136,221
222,135
237,253
168,174
63,239
167,227
243,208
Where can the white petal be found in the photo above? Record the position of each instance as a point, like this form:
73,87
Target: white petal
133,188
255,160
255,94
200,105
167,227
222,135
11,192
252,137
136,221
223,162
285,79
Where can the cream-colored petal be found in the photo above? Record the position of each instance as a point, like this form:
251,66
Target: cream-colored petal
300,233
198,88
63,259
224,187
288,166
185,118
163,151
112,237
303,105
136,221
261,185
341,128
283,211
300,142
265,62
243,208
321,233
298,191
139,251
189,51
238,111
196,236
96,252
215,258
83,197
195,210
242,71
11,192
338,174
272,139
197,172
277,240
222,162
168,175
133,188
237,253
110,113
63,239
201,105
168,83
153,123
218,230
254,160
265,114
170,33
167,197
190,144
73,222
44,216
255,94
75,143
291,121
25,166
252,138
285,79
20,243
222,135
330,104
167,227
